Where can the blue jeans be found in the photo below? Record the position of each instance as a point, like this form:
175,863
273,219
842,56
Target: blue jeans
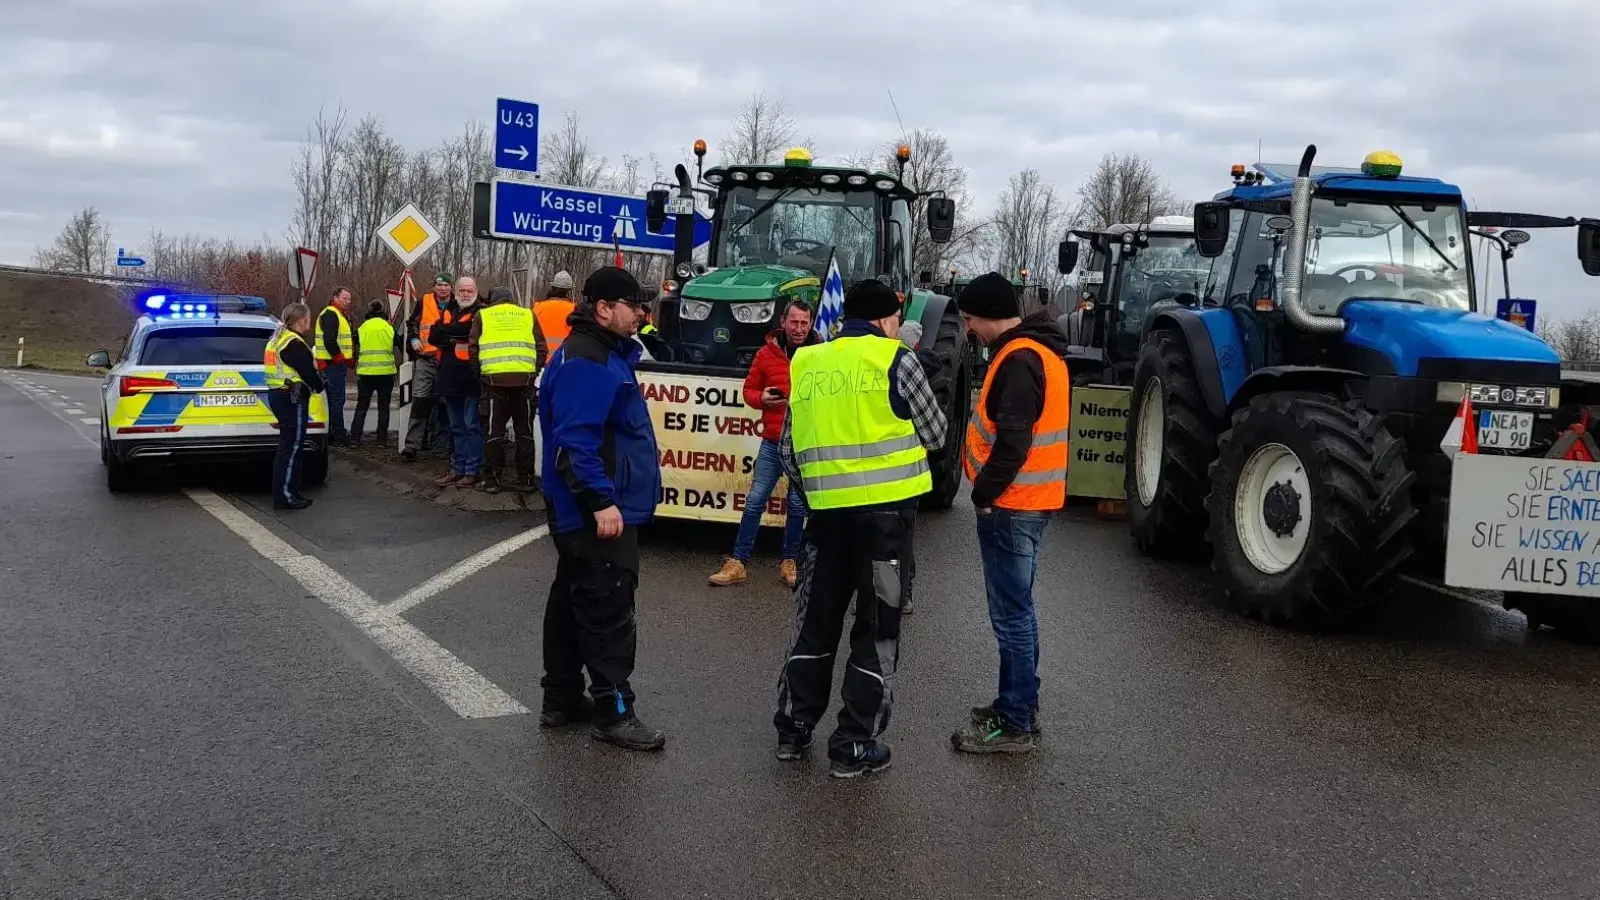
466,435
336,374
1008,542
763,481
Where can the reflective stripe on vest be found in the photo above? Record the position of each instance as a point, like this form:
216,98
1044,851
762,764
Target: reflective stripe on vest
377,348
851,447
347,346
506,344
430,315
278,374
1041,484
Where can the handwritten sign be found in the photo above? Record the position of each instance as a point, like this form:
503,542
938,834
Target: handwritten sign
708,439
1520,524
1099,441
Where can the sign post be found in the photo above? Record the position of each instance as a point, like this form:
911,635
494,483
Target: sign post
516,135
408,234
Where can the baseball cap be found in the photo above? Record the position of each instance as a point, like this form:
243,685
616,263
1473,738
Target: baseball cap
611,283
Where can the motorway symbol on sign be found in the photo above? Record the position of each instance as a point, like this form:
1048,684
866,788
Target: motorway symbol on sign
1518,312
579,217
408,234
516,135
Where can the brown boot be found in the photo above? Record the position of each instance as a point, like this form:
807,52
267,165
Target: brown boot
788,572
447,480
466,481
732,572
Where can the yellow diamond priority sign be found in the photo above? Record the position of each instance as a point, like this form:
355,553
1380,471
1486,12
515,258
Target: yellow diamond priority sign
409,234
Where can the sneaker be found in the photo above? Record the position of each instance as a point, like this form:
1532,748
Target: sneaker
793,746
489,485
984,713
789,572
874,759
732,572
557,716
993,735
529,486
408,455
447,480
630,734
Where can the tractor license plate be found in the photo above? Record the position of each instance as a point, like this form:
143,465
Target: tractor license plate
1504,430
225,400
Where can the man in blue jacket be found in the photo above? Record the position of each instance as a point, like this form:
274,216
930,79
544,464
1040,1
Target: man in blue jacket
601,481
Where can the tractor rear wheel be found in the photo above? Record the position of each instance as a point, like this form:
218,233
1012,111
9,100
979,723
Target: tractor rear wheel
1171,442
953,387
1310,506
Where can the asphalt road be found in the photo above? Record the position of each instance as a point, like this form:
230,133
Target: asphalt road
202,698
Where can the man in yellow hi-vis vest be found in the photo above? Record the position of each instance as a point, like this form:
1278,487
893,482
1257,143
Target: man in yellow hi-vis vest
861,422
510,351
335,350
376,368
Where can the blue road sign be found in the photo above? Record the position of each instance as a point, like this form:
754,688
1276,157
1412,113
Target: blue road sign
1517,311
578,217
516,135
128,262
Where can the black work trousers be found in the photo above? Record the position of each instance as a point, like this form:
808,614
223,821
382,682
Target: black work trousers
850,555
513,406
292,415
589,624
367,387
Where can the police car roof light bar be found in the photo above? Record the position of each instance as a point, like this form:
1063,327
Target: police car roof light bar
194,306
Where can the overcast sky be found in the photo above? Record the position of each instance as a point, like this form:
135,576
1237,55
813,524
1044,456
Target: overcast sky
184,114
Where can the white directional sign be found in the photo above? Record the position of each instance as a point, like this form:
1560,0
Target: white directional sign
409,234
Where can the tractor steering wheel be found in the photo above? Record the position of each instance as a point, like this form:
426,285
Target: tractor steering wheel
1353,267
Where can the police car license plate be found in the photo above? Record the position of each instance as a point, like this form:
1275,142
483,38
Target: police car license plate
1500,429
225,400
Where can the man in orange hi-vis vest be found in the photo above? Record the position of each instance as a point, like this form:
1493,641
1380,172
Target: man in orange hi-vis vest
1016,458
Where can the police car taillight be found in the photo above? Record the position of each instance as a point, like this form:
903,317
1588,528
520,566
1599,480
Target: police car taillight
129,385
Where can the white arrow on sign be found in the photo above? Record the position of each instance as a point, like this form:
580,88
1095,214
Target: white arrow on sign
519,152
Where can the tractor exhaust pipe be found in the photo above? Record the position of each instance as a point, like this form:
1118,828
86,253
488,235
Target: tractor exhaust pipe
1294,263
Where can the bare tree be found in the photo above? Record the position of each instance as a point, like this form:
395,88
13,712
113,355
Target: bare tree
762,131
83,245
1030,219
933,168
1577,340
372,171
1124,189
316,180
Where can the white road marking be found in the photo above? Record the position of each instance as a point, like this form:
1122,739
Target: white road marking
58,403
89,420
72,411
462,688
465,569
39,400
1453,593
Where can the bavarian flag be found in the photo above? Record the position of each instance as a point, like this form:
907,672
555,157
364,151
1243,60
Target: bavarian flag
830,308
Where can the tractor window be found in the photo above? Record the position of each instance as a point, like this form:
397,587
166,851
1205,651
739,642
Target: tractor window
1260,265
1401,251
801,229
1170,272
900,244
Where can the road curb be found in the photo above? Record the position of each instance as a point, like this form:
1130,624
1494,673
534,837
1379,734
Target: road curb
402,479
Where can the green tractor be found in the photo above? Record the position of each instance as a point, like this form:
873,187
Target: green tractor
1034,298
774,230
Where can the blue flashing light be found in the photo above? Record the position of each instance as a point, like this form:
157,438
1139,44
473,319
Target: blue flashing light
155,301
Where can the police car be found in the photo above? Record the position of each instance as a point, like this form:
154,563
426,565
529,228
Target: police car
188,386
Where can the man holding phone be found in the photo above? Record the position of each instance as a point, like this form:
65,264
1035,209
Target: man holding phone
766,388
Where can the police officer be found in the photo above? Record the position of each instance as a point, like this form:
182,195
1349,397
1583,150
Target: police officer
375,370
292,380
862,420
509,349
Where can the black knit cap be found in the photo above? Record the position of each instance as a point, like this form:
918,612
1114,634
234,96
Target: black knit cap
871,300
990,296
611,283
500,294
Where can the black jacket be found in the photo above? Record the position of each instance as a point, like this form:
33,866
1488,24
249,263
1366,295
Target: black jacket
456,378
1014,403
297,356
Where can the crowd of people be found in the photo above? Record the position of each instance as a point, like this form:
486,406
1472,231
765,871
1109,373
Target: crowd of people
849,420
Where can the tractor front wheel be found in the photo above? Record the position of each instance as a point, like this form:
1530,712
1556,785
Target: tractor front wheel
1171,442
1310,506
954,390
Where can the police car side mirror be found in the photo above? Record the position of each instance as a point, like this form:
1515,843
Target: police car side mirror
99,359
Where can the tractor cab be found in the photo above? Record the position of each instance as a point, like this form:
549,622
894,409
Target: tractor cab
1130,274
1033,298
776,230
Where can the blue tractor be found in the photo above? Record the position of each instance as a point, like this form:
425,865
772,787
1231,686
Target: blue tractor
1292,411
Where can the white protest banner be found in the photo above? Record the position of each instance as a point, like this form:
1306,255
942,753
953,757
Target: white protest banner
708,439
1524,524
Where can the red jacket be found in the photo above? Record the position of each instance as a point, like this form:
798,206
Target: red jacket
770,368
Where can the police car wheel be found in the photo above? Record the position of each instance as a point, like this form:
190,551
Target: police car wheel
120,475
316,470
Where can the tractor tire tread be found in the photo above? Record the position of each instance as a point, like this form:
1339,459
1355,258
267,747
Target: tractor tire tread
1167,528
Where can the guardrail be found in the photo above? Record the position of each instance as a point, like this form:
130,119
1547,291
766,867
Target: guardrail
100,278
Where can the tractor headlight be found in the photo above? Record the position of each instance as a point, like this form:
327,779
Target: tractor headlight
694,310
753,313
685,271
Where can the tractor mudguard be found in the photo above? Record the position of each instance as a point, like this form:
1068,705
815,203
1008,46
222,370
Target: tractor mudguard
1318,379
1217,349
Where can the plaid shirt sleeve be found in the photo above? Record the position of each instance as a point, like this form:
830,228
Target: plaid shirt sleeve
791,466
926,414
